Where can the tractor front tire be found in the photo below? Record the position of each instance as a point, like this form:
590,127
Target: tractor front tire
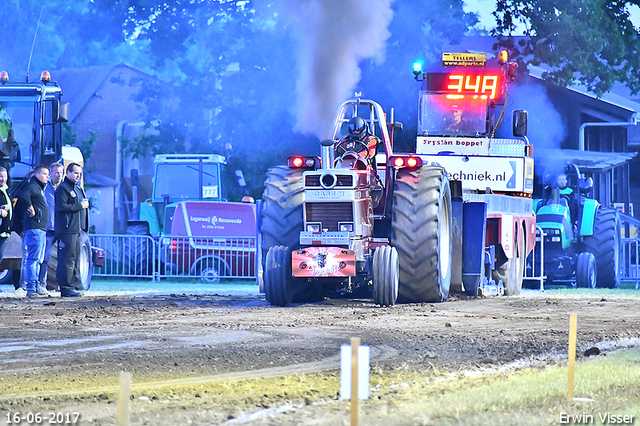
605,246
277,276
385,276
421,231
586,270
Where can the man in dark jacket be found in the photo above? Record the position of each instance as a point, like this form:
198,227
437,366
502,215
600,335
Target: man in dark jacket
35,226
71,219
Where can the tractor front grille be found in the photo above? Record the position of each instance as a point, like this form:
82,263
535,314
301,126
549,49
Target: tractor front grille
341,181
329,214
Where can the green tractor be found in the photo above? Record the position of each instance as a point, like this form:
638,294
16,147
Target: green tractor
581,237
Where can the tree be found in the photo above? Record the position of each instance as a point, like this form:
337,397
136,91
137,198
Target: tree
591,42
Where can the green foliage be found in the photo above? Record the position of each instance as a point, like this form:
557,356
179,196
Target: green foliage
227,69
591,42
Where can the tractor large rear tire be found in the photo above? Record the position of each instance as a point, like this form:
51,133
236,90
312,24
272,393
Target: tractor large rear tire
277,276
385,276
421,231
605,246
136,251
280,213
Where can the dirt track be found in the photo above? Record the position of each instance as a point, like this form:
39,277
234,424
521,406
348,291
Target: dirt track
61,355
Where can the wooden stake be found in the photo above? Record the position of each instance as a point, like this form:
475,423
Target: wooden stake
355,342
573,325
123,399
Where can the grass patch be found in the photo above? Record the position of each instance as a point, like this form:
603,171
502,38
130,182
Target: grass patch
535,396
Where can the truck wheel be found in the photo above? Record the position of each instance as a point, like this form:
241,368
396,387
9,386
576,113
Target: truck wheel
605,246
586,272
511,272
385,276
281,210
52,267
277,276
84,263
421,227
136,250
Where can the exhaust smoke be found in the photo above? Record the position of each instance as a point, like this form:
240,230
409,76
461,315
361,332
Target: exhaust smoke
334,35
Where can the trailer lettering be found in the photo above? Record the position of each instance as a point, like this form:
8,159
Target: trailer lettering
436,142
480,177
214,220
469,143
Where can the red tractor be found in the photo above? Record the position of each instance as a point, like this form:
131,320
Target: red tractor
347,220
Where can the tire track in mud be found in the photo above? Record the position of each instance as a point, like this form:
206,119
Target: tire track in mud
378,353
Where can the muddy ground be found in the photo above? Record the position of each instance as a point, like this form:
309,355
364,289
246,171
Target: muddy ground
206,360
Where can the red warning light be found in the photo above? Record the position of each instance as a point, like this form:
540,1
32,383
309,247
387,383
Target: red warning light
298,162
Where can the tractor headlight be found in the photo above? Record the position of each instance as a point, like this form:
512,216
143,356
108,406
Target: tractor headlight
313,227
346,227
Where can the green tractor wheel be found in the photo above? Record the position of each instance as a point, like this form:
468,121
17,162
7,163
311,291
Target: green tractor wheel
586,271
605,246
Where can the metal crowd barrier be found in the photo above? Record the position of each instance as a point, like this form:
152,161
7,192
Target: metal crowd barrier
534,269
209,259
630,261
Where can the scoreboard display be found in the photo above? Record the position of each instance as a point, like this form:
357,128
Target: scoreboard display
487,85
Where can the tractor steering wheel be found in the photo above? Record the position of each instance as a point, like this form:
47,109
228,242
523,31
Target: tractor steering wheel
347,145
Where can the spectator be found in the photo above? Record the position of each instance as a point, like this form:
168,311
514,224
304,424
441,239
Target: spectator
6,212
72,217
35,226
56,173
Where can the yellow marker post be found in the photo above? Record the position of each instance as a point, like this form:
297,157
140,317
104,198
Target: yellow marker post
355,342
573,325
123,399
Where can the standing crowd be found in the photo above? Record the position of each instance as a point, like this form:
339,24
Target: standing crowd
51,208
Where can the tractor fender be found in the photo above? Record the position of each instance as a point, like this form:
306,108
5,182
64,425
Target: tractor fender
589,209
148,214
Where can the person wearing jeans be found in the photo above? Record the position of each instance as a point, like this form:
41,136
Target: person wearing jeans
56,174
35,226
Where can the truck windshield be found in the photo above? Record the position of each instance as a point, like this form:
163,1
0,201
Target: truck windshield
21,113
182,182
452,115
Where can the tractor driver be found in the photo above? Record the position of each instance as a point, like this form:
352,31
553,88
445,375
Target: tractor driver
359,140
567,193
562,185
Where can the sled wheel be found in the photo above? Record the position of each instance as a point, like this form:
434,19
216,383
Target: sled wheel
511,272
385,276
277,276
